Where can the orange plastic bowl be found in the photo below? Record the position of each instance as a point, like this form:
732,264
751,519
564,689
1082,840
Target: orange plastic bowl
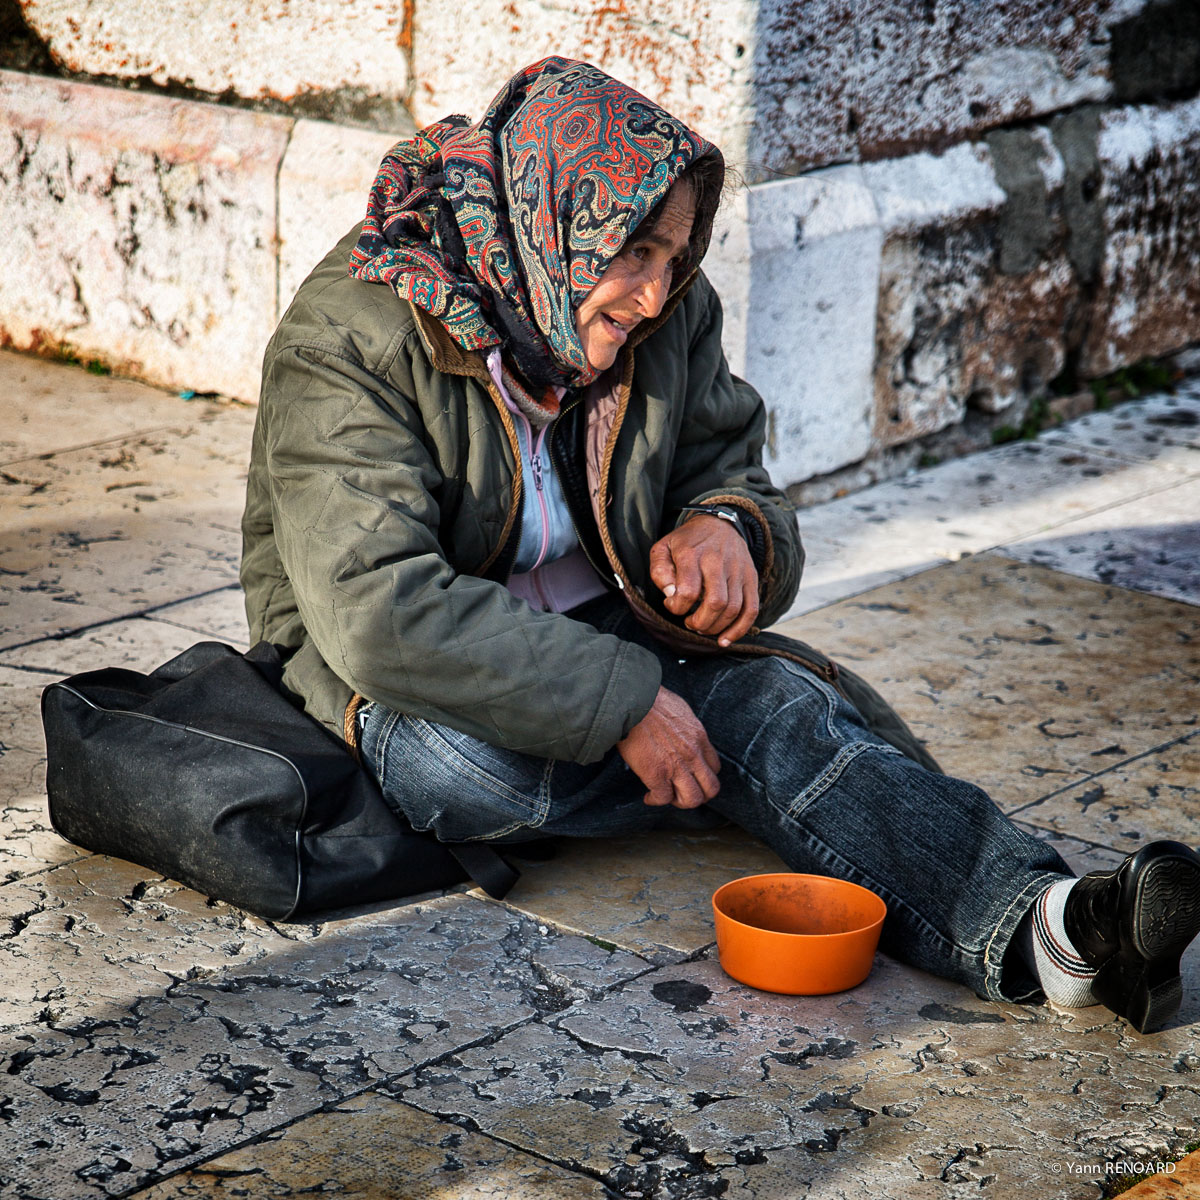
804,935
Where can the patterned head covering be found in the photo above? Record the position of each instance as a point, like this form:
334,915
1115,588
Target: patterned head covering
501,228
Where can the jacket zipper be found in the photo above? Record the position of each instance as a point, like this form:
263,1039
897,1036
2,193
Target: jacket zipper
536,472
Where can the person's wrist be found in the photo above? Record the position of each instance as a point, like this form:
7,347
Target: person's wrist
723,512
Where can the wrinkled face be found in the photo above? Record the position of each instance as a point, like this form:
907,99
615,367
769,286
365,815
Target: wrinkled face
636,285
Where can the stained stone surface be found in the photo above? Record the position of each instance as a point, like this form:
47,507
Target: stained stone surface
324,180
1148,294
201,1028
148,227
1148,428
1150,544
1135,800
1019,496
54,406
220,614
373,1148
99,532
1016,676
972,302
683,1078
632,891
256,51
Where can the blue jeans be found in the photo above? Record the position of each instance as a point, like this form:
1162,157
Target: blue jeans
799,770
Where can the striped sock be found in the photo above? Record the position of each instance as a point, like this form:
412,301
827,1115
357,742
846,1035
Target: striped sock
1065,977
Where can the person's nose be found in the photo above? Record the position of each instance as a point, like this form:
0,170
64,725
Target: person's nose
652,294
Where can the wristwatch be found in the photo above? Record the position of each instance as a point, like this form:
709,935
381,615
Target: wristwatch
726,512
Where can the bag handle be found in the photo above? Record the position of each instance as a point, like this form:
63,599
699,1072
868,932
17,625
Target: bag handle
481,862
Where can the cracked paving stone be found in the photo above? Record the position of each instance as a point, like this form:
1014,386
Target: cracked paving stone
652,894
1155,796
683,1083
92,533
139,644
184,1028
1016,676
28,843
372,1148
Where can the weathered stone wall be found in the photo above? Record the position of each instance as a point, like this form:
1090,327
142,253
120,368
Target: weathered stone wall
159,235
948,206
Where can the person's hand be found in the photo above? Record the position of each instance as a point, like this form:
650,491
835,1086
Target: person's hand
706,573
670,753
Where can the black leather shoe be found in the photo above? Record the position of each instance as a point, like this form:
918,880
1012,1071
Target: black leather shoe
1133,925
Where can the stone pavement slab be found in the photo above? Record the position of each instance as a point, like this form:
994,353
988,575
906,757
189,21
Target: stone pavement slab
1085,471
105,530
200,1029
50,407
1018,677
683,1078
1150,544
632,891
1156,795
220,614
375,1148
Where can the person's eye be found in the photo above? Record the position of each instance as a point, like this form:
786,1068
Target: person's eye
638,254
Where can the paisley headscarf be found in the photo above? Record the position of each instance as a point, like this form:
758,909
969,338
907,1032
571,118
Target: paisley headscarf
501,228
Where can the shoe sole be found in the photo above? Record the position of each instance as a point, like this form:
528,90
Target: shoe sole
1141,981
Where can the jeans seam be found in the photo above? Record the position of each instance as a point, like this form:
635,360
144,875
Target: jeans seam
828,777
381,745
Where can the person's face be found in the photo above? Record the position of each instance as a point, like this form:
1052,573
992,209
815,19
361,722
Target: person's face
637,282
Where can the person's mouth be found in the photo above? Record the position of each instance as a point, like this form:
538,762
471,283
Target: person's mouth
619,327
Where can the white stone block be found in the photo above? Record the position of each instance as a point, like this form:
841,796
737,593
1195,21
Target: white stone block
694,57
276,49
323,184
924,189
797,265
145,228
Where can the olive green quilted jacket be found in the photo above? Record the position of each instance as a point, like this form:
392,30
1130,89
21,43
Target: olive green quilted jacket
384,484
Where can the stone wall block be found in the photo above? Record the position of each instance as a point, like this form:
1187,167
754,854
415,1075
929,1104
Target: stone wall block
949,70
694,57
975,283
805,110
797,265
323,184
1147,300
278,49
145,228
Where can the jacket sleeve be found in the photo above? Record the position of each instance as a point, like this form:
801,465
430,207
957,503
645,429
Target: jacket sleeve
719,457
354,492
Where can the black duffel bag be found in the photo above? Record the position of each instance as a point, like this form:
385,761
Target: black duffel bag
204,771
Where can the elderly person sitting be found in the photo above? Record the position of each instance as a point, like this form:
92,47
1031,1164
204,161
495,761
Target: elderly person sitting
507,513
